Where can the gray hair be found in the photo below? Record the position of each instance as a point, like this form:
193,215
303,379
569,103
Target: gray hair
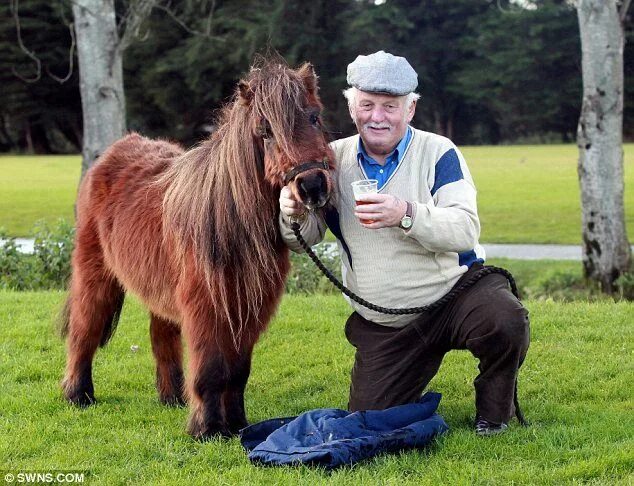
351,94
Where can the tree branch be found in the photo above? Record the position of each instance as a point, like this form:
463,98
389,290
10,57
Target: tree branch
71,58
511,9
207,33
16,17
138,11
623,10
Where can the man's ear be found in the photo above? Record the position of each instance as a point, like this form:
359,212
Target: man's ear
245,93
351,111
307,74
411,110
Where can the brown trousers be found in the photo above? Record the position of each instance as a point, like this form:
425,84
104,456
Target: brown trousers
393,366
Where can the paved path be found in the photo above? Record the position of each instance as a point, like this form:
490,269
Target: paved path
25,245
493,250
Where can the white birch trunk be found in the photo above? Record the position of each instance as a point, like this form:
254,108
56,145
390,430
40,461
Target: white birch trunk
100,77
606,251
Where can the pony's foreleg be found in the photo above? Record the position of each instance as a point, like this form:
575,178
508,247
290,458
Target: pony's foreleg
168,352
95,303
207,375
233,397
207,379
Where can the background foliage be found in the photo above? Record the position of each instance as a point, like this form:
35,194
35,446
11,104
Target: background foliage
489,71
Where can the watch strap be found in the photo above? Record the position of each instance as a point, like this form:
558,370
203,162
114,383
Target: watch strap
410,210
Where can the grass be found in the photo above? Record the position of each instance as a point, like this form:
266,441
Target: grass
575,387
530,194
526,194
37,187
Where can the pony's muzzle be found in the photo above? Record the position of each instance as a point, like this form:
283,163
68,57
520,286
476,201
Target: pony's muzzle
313,188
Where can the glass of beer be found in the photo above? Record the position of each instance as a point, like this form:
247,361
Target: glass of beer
361,187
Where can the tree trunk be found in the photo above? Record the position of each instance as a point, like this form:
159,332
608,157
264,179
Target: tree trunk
100,77
606,251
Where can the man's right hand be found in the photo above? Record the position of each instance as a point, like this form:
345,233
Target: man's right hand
289,206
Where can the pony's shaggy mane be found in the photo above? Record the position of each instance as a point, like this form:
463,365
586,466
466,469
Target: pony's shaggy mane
221,197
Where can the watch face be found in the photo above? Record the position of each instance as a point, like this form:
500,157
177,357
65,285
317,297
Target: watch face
406,222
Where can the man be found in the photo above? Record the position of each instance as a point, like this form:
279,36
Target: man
419,240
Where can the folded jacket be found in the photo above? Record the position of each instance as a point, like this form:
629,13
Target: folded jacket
332,437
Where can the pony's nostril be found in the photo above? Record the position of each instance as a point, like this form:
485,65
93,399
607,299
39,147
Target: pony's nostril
313,189
302,188
323,182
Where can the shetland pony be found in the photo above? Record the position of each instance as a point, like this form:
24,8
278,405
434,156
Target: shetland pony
195,235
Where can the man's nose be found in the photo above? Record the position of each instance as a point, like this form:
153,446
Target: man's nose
378,114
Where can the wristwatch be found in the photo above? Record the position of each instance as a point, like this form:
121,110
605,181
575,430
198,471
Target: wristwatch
406,222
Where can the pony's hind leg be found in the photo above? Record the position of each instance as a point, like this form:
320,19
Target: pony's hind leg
168,352
94,312
93,309
233,397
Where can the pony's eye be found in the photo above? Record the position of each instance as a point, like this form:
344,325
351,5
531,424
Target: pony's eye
314,118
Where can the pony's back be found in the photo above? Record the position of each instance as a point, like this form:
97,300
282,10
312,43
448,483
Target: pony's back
119,220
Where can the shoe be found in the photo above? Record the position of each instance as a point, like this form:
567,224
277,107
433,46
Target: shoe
484,427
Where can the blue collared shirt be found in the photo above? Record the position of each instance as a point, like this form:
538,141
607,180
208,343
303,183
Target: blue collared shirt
382,173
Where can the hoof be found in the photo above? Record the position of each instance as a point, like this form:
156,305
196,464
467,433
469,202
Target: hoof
236,427
81,399
81,395
173,401
200,431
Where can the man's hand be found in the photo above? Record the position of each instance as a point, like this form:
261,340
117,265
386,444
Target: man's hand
384,210
290,206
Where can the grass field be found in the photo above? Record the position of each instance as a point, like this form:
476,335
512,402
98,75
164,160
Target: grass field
575,387
526,194
33,188
530,194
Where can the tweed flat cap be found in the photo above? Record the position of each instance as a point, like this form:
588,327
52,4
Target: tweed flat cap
382,72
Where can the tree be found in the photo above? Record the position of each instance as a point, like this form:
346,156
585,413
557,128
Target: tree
196,61
606,250
522,69
99,53
40,110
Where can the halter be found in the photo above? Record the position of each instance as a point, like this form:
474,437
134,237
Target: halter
263,131
295,171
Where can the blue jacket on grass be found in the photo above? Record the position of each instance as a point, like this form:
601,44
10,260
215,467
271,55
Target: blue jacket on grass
330,437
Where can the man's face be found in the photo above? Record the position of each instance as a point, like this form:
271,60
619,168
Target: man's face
381,121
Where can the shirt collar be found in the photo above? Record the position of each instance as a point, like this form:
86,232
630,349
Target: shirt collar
399,151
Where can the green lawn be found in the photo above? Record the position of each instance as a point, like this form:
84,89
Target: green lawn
527,194
575,387
530,194
39,187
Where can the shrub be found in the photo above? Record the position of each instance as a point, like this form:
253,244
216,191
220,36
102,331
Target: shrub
53,248
306,278
49,265
16,269
625,285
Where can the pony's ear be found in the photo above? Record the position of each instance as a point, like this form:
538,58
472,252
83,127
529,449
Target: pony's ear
245,92
307,73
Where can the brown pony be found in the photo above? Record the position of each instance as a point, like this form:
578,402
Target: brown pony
195,235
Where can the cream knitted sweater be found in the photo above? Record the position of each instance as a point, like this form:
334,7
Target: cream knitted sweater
392,267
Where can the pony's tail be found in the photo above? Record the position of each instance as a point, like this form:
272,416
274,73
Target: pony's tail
63,319
111,324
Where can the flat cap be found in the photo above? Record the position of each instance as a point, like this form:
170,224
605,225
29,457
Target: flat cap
382,72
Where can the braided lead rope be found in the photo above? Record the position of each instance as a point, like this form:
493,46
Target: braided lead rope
412,310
